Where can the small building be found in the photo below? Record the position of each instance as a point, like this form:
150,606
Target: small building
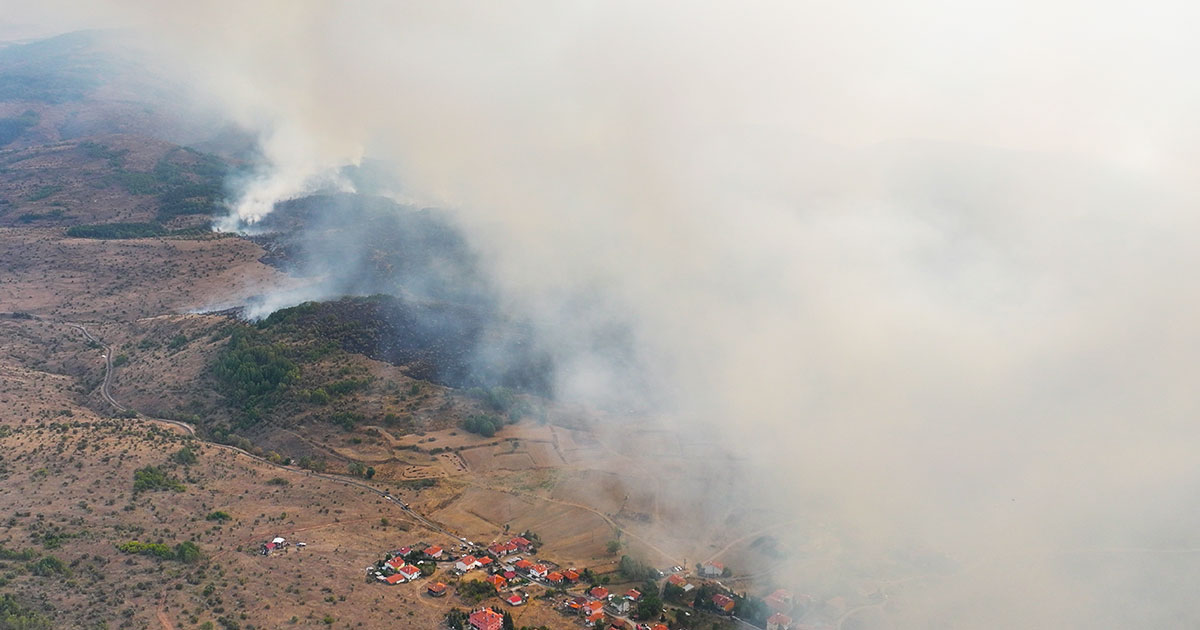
394,563
781,601
539,570
633,594
466,563
498,550
508,575
712,569
395,578
779,621
554,577
437,589
675,580
576,604
410,572
621,605
571,575
486,619
523,565
593,607
514,600
511,547
659,626
593,618
483,561
521,543
598,592
434,552
403,551
723,602
497,581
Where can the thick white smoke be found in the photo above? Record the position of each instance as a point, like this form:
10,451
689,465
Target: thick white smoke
925,262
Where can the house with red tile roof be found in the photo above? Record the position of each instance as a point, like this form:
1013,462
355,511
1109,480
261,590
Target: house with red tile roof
633,594
779,601
486,619
434,552
554,577
659,626
410,572
593,607
723,602
576,603
483,561
466,563
779,621
508,575
514,600
712,569
395,579
511,547
571,575
676,580
522,543
394,564
539,570
497,581
437,589
598,592
593,618
524,565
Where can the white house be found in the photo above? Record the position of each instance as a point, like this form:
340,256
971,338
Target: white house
466,563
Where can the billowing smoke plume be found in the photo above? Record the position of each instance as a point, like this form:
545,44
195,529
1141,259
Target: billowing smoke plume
925,264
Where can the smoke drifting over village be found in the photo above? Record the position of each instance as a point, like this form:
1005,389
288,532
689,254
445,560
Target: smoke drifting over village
922,268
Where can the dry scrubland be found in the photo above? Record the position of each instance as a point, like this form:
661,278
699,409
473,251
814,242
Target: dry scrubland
69,465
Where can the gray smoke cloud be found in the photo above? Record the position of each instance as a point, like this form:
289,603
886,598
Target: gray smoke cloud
923,267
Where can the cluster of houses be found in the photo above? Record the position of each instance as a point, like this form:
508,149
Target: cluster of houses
598,601
396,570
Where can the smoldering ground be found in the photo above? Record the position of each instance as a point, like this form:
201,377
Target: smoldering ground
925,269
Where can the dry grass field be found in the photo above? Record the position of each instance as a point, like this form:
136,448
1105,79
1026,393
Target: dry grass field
575,478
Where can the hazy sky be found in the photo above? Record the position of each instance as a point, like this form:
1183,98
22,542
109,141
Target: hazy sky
929,261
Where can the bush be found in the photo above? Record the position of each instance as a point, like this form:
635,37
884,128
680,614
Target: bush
185,456
47,566
218,516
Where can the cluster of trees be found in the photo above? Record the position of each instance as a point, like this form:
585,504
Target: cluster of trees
475,590
358,469
35,564
501,400
482,424
12,127
19,617
633,569
186,552
254,372
650,605
154,478
113,231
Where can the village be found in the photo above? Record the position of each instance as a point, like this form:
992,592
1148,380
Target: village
511,572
